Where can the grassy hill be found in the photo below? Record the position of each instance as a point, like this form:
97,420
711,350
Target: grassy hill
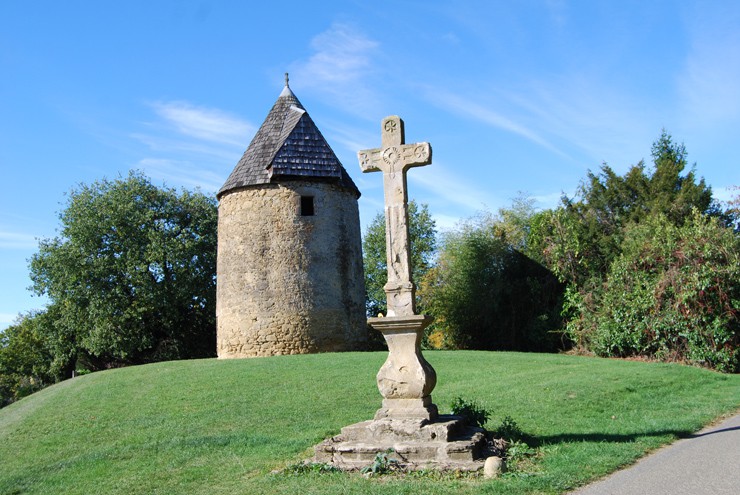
223,427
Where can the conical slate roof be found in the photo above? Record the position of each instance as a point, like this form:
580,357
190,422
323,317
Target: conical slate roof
287,146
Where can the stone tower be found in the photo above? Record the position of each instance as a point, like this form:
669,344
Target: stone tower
290,276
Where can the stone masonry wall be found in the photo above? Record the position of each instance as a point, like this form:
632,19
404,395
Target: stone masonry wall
287,283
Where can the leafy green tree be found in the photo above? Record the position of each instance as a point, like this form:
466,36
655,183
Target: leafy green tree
423,245
131,277
625,300
670,193
25,360
486,293
584,235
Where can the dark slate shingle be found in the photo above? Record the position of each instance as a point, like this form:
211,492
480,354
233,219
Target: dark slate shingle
288,145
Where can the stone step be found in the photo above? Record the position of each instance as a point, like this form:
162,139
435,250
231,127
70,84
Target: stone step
446,444
445,428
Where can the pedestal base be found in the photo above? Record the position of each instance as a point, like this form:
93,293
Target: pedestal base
406,379
445,444
421,409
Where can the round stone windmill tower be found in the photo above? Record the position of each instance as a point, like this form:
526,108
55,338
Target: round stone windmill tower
289,272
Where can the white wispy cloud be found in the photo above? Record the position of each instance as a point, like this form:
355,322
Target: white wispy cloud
176,145
484,113
17,240
351,138
342,62
573,115
558,10
208,124
184,173
191,145
447,188
342,55
587,114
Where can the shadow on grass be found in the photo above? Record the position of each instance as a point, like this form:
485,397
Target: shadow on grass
603,437
618,438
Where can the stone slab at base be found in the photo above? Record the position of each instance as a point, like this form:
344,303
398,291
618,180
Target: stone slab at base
447,443
402,409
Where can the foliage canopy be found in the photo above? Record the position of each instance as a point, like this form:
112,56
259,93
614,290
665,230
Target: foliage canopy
582,237
423,245
24,359
672,294
486,293
131,276
649,261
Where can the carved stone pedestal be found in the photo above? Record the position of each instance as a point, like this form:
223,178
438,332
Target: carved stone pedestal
406,379
408,422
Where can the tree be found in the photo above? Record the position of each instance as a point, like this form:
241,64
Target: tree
131,277
25,360
585,233
423,245
486,293
629,289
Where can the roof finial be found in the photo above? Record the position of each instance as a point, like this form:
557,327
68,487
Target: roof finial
286,80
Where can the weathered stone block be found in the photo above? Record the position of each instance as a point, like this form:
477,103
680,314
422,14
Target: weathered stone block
447,443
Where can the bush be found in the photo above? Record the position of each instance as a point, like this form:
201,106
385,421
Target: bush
509,430
485,293
672,295
473,412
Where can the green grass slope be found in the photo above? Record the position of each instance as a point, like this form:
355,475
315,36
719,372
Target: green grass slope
223,427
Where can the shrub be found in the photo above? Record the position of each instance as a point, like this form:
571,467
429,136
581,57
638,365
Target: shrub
486,293
383,463
509,430
473,412
672,295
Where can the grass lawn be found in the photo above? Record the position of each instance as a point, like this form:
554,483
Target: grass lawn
222,427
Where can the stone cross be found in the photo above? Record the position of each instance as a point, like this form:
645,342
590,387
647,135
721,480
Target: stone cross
408,419
394,158
406,379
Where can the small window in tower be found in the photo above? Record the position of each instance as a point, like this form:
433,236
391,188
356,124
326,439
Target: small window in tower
307,209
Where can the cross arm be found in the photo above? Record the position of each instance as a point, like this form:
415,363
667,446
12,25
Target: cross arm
370,160
416,155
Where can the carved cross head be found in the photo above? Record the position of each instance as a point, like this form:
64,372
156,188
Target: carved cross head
394,155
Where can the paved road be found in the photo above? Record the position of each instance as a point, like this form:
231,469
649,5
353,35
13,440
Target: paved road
706,463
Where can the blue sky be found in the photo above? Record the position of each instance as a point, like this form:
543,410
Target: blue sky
512,95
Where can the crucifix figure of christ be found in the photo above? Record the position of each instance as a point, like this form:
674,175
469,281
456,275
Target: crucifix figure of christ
394,158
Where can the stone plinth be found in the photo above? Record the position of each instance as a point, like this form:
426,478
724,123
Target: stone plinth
408,422
447,443
406,379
